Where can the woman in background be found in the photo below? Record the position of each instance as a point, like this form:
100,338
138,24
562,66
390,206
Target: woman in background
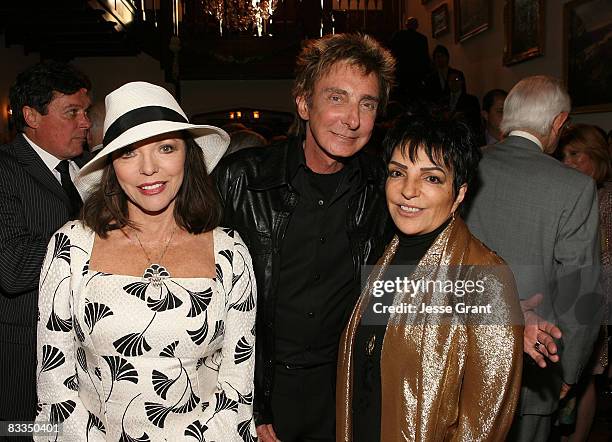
147,307
426,376
583,147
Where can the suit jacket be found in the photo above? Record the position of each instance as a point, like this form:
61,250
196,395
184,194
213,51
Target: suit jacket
33,206
434,92
411,51
541,217
469,108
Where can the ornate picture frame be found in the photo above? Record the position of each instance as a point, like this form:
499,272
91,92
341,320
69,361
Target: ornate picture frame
586,61
439,21
524,22
471,18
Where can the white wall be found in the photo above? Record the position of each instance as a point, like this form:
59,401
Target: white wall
480,57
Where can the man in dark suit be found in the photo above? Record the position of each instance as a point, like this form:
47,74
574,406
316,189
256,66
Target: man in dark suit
411,51
542,218
436,84
49,103
465,105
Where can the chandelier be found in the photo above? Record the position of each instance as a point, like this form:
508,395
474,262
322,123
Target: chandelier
241,15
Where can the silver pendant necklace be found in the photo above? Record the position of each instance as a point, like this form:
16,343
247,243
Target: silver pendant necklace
155,273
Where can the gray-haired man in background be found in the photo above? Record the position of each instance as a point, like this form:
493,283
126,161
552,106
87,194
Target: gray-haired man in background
542,218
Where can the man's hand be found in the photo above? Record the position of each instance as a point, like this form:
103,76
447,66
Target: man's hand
266,433
539,335
565,388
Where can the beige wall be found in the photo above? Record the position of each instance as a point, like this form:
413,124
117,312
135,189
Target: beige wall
108,73
480,57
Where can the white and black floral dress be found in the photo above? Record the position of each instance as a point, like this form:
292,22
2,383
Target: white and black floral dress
123,359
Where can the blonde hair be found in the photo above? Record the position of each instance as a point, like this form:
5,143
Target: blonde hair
589,140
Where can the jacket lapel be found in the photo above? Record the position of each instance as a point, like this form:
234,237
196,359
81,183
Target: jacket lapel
36,168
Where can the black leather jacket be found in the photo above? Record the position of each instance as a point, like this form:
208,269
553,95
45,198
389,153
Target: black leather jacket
258,201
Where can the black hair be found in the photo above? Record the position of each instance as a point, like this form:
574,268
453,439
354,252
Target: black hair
448,143
441,50
35,87
489,98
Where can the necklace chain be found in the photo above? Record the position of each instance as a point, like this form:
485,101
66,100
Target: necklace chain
163,252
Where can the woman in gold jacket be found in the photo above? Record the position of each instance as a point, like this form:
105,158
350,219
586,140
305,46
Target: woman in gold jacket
432,352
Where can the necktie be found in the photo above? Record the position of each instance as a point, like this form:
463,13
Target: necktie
68,186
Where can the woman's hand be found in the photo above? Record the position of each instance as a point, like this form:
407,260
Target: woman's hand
265,433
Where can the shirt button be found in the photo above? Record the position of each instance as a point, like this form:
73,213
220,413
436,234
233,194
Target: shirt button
322,239
321,202
310,315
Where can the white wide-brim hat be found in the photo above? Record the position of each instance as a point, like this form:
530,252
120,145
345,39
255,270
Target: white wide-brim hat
137,111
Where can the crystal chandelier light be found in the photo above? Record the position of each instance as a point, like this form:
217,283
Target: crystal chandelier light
241,15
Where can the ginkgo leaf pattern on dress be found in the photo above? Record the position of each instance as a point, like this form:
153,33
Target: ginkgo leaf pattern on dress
245,305
61,411
138,289
219,330
132,344
188,406
157,413
61,249
82,359
161,383
78,331
225,403
198,336
219,273
94,422
125,437
196,430
121,370
227,254
55,323
199,302
72,382
168,351
243,351
157,365
52,357
244,430
94,312
167,302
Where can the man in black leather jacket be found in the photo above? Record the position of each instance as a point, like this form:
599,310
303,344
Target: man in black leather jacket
312,211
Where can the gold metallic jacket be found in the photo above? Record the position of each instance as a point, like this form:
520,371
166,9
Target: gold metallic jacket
443,380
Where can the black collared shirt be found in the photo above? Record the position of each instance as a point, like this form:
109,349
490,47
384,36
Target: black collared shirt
317,286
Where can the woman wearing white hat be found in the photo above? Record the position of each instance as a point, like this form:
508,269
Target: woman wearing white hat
147,307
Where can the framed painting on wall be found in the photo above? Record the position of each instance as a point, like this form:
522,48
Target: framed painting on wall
524,33
439,21
471,18
587,27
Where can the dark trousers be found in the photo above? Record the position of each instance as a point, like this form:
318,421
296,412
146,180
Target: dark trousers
304,404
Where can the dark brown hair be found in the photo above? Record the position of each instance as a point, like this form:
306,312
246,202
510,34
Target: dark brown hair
197,207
